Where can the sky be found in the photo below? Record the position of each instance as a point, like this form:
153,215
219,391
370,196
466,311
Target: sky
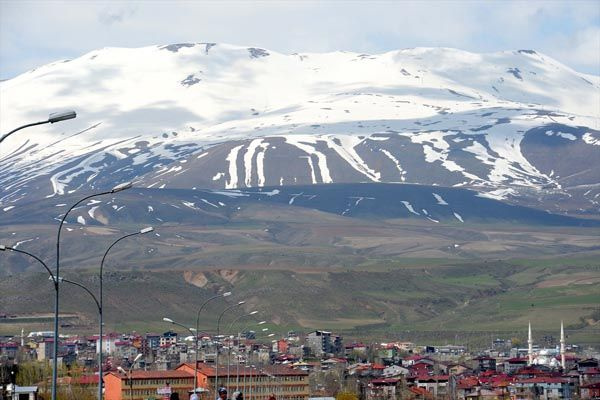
33,33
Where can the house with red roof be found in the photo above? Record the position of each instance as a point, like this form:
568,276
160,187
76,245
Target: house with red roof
141,385
435,384
292,384
590,391
467,386
383,388
514,364
420,393
541,387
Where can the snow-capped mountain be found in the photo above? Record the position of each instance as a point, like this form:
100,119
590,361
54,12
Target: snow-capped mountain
516,126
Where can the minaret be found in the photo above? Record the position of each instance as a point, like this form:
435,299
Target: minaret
562,345
530,347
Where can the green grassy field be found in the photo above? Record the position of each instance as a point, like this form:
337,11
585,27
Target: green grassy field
379,279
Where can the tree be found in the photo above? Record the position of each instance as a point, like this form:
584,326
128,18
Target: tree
346,396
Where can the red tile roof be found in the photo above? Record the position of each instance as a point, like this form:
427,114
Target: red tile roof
419,391
384,381
138,374
277,370
541,379
433,378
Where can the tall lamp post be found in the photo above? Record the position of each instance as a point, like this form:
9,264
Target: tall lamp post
226,294
61,280
237,379
239,303
116,189
52,118
194,332
5,248
231,337
101,305
129,376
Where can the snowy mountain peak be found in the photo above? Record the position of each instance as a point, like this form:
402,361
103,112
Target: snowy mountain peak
224,116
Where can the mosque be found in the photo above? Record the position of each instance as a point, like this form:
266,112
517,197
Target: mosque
547,357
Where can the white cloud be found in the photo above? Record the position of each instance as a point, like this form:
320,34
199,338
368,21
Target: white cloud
581,48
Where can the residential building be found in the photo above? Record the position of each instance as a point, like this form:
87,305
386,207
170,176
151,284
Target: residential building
590,391
282,381
142,385
323,342
436,385
485,363
383,389
543,388
168,338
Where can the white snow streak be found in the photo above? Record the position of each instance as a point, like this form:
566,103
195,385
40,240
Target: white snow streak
439,199
396,162
91,212
209,203
304,142
232,160
589,139
409,207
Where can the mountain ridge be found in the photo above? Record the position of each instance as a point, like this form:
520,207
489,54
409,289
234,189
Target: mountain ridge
241,115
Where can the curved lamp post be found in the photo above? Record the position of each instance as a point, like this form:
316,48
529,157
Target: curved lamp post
116,189
128,373
237,378
231,337
239,303
52,277
100,308
226,294
240,317
52,118
61,280
194,332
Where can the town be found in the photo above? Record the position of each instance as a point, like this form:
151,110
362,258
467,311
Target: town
318,364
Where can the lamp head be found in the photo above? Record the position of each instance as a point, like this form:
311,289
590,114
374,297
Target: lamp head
2,247
120,369
262,322
226,294
169,320
241,302
253,312
121,187
61,116
137,358
146,230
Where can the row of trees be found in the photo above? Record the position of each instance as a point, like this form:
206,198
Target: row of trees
35,373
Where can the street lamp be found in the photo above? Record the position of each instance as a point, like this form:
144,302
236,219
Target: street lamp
129,377
239,303
195,333
101,309
231,337
52,118
116,189
237,379
240,317
5,248
226,294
